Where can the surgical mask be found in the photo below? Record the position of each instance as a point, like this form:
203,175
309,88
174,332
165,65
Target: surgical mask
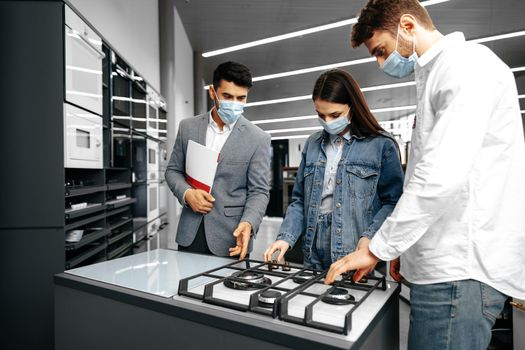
335,126
230,111
398,66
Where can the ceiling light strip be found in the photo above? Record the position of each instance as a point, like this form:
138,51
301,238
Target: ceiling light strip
517,69
307,97
497,37
307,128
307,31
288,119
290,137
371,59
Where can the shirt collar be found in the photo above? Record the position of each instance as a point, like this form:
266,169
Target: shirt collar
439,46
215,127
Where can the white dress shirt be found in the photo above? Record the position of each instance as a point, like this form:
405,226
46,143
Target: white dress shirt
215,138
462,213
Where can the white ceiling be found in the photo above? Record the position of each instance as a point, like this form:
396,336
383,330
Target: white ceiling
212,25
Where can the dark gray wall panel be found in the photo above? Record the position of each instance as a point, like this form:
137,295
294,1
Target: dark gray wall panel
31,114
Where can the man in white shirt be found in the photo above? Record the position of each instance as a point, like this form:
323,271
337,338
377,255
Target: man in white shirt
459,226
223,222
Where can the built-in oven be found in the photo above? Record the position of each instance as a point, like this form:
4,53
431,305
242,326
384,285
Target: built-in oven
84,55
153,104
153,160
121,91
83,138
164,192
138,103
153,201
162,120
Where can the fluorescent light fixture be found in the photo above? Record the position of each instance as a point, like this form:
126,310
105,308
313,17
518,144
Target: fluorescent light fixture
273,39
307,97
290,137
393,109
521,96
518,69
279,100
388,86
305,117
498,37
85,70
307,31
371,59
523,111
307,128
80,93
279,120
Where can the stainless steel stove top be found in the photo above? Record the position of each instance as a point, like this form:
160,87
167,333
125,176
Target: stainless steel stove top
285,292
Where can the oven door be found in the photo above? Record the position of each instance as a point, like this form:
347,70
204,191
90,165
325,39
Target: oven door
153,160
84,57
82,139
153,201
164,192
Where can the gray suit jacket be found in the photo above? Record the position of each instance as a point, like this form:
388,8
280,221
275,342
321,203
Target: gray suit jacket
241,186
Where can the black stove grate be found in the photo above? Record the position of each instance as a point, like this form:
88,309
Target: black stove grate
280,306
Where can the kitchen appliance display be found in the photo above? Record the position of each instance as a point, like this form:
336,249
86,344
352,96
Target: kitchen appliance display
287,292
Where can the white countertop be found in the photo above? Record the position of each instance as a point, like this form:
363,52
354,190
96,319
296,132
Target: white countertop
156,272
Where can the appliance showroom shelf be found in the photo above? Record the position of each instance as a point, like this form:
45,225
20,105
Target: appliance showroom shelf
84,256
73,192
118,186
83,222
118,203
91,208
119,251
119,236
87,238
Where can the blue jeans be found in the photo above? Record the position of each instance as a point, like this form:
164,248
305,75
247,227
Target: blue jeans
320,258
453,315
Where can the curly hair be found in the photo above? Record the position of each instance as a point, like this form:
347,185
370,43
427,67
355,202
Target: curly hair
385,15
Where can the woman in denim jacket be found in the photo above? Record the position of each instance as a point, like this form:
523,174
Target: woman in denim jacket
349,180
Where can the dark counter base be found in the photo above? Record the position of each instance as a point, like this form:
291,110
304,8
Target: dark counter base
94,315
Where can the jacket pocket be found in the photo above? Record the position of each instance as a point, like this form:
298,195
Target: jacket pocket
233,210
362,180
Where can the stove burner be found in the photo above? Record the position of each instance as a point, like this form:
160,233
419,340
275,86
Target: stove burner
338,296
268,297
251,279
303,277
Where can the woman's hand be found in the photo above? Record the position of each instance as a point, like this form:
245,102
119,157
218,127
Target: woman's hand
281,246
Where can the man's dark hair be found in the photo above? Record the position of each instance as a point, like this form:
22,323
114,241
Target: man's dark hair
233,72
385,15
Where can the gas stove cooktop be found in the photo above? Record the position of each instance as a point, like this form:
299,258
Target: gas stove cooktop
288,292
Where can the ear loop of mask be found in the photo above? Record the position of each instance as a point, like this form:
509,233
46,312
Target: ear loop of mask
413,42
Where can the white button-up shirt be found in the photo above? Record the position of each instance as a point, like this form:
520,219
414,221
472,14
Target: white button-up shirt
215,138
462,213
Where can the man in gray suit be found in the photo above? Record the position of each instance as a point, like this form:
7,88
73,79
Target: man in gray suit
223,222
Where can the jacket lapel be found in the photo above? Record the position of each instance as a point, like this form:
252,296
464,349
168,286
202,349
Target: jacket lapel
231,142
202,127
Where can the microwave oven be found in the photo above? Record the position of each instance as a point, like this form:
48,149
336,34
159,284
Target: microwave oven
82,138
84,60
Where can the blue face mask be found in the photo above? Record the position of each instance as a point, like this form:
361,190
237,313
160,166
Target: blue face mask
230,111
335,126
398,66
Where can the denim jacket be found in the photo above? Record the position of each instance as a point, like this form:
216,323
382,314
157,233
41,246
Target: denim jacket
369,182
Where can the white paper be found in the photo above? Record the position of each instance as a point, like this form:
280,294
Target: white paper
201,165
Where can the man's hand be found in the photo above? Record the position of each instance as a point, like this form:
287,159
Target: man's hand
242,234
363,244
395,265
281,246
362,260
199,201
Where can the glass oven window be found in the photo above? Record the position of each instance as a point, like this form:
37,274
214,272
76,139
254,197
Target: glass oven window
83,139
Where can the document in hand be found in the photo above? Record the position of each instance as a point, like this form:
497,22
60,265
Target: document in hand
201,165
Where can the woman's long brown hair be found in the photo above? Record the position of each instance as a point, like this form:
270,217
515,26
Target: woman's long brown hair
338,86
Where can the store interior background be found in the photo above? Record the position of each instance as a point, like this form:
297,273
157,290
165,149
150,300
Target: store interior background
164,40
170,36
